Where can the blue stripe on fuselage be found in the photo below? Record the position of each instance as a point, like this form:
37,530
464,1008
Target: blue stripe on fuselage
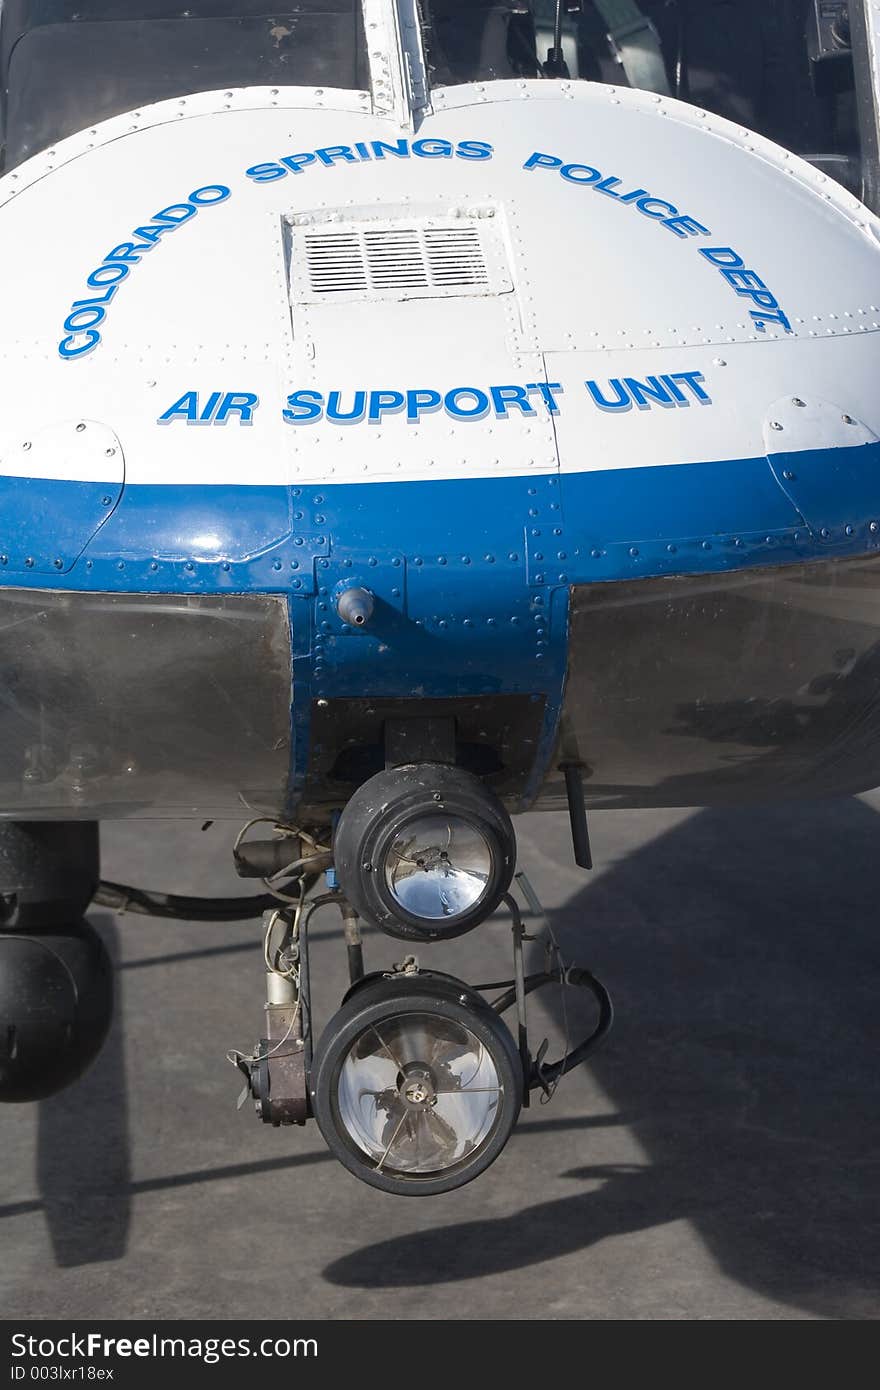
471,575
683,518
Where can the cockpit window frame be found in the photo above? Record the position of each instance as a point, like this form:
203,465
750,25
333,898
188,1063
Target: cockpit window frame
864,37
864,24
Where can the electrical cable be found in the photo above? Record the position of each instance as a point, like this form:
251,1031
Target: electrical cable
548,1074
120,897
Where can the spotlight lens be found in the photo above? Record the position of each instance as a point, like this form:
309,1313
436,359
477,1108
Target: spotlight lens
438,866
418,1093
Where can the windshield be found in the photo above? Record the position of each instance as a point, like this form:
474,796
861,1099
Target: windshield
795,71
65,66
784,68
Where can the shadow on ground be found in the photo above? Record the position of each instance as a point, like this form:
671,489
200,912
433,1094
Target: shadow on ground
742,950
743,953
83,1152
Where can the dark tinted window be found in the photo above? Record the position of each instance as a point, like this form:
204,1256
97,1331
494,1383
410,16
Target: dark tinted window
66,66
781,67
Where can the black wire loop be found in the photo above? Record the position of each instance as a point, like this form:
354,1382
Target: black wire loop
544,1075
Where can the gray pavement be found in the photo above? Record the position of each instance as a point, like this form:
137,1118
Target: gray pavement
719,1159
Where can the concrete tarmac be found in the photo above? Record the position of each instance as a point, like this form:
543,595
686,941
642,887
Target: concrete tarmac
718,1159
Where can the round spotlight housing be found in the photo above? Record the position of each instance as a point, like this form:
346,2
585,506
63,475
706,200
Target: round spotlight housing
425,852
416,1084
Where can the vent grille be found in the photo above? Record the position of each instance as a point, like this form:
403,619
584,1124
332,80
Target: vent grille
397,260
335,262
455,257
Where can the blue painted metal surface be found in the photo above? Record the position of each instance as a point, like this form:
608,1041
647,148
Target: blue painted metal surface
471,577
578,528
46,525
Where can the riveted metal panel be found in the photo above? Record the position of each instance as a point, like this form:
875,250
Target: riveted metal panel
85,453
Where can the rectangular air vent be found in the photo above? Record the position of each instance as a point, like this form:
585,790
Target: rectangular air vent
397,259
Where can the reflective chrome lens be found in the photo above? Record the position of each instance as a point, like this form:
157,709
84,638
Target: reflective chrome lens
418,1093
438,866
